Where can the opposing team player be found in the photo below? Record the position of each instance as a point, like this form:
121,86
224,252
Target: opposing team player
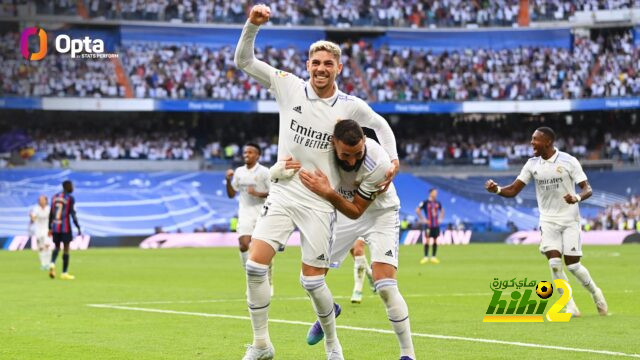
62,210
434,213
251,181
365,213
39,230
308,113
555,174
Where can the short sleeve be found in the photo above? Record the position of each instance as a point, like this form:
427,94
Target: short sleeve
368,189
577,174
525,174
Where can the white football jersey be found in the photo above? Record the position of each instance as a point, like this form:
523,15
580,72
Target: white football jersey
365,180
307,122
243,178
306,132
554,178
41,224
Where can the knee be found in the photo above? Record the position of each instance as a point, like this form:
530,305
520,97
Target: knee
256,271
311,283
570,260
382,271
243,247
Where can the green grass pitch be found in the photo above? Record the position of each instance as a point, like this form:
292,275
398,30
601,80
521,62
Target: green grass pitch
50,319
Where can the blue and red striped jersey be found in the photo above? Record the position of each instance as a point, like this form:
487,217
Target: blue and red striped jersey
431,210
62,209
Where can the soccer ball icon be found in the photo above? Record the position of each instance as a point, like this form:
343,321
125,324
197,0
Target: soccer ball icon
544,289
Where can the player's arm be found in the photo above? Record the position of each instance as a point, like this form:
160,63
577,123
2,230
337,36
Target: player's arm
366,117
72,212
32,217
253,192
507,191
319,184
51,216
244,57
231,192
578,175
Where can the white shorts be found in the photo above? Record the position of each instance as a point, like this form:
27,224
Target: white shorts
562,238
246,223
42,240
380,229
280,216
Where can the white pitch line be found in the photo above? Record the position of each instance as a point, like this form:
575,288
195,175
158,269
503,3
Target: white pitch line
293,298
374,330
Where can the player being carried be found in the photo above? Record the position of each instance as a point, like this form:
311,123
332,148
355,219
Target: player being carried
251,181
308,112
368,213
39,229
555,174
62,209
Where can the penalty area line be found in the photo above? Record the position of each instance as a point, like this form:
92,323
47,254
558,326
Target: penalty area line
372,330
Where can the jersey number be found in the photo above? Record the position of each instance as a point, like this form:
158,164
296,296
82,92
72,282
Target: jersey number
59,207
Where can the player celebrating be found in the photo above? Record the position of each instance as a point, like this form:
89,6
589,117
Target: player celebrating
308,113
434,212
363,165
555,174
39,221
252,182
62,208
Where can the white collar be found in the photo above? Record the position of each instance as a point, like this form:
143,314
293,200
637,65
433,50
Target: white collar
311,94
553,158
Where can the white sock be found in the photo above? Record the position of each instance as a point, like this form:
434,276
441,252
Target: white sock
43,257
244,256
398,314
322,301
582,274
557,272
258,298
359,268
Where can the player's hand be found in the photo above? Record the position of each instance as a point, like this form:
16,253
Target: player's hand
291,164
50,233
251,190
79,231
229,174
570,199
316,181
391,173
259,14
491,186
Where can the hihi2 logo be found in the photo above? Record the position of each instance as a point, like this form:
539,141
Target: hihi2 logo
522,305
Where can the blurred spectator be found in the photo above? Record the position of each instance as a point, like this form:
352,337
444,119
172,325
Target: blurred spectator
624,216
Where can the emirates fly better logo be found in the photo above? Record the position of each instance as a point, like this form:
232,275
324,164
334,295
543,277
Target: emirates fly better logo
24,44
84,48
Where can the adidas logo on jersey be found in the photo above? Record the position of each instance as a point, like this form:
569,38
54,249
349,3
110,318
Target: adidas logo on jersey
298,109
389,253
321,257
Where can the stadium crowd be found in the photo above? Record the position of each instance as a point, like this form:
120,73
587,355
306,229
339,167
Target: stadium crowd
623,216
397,13
603,67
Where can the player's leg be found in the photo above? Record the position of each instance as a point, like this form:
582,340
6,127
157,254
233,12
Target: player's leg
66,259
54,255
243,246
434,233
272,231
42,251
317,236
384,246
551,247
424,234
572,253
384,276
359,270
